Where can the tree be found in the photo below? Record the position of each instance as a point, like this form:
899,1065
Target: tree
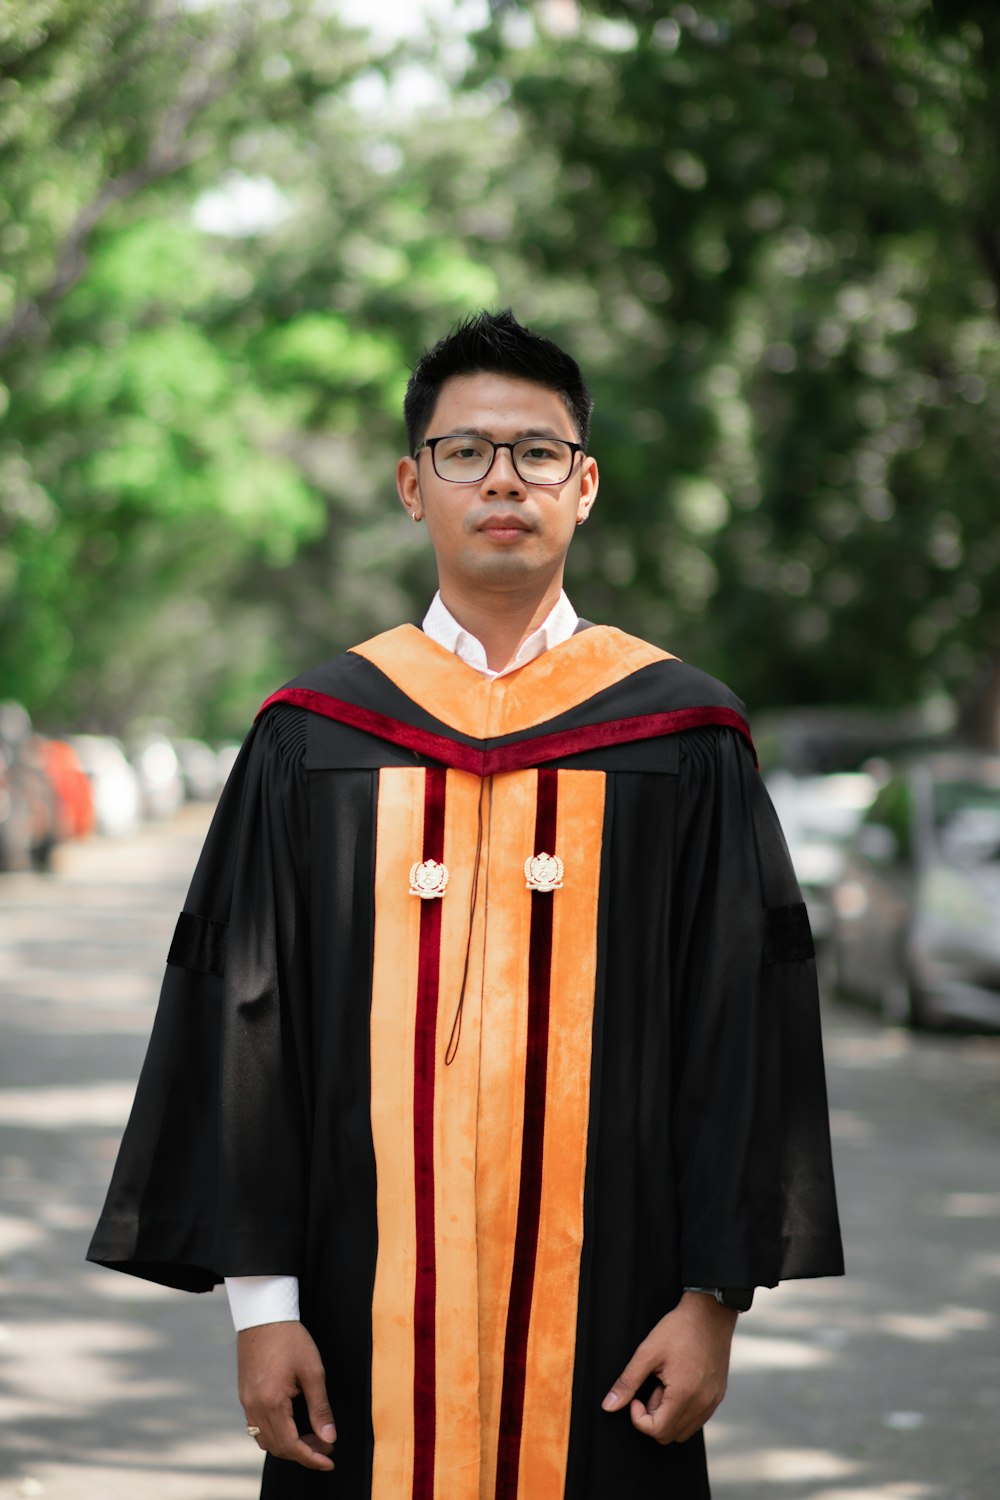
768,231
133,466
788,214
202,408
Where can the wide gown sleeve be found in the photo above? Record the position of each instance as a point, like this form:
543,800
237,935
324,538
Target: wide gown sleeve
751,1126
209,1180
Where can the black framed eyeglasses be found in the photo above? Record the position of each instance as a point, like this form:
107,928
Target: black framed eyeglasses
462,458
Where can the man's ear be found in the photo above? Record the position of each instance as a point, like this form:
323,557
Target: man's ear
589,480
408,487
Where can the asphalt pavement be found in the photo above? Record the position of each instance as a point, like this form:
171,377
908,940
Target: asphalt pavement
884,1385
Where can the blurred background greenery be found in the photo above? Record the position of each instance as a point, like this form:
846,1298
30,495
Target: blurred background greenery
769,230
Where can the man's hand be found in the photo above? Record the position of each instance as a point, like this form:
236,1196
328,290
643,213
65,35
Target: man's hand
688,1352
276,1362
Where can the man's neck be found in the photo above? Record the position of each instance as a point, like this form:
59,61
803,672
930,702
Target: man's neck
502,622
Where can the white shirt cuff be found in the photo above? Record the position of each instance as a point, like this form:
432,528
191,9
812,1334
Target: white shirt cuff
262,1299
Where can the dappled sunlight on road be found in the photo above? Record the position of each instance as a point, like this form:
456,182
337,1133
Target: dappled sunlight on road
780,1465
64,1108
72,1365
884,1492
986,1265
754,1352
870,1049
971,1206
847,1126
932,1328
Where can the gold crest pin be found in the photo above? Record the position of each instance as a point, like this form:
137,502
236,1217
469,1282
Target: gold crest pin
543,872
428,879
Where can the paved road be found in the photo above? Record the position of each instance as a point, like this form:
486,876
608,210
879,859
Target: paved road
883,1386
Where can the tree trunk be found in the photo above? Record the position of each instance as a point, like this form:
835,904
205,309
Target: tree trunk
979,712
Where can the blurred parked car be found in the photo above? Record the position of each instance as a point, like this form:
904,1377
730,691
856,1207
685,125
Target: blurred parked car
28,810
821,741
74,794
227,756
199,770
917,912
115,784
818,815
161,784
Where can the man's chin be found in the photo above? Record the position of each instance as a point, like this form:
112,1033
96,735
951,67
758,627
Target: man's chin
495,566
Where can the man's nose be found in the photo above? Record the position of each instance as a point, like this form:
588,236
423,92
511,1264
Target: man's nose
501,476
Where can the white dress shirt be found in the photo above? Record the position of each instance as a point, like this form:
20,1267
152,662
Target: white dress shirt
275,1299
440,624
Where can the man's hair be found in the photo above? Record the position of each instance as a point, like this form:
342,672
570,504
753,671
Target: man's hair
494,343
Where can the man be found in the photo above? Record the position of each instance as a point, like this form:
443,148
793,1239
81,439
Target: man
487,1069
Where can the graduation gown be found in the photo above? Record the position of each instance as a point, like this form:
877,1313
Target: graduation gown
492,1017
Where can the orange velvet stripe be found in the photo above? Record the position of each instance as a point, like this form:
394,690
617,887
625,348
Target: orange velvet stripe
472,704
402,1454
477,1125
399,843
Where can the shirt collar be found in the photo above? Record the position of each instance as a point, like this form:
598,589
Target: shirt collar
440,624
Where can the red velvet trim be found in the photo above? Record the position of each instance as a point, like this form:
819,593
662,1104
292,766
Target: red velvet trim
434,746
522,1281
611,732
519,756
424,1058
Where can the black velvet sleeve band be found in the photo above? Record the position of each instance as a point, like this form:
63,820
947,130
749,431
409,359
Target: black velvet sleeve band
787,936
199,944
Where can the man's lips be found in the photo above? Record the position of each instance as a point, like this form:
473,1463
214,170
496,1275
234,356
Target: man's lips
503,525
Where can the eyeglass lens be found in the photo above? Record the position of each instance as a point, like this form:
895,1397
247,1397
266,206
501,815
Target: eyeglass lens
464,459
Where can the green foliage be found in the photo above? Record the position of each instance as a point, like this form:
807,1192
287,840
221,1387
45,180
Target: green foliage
788,213
200,426
768,231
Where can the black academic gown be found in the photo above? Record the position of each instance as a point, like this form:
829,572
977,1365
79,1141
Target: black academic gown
492,1017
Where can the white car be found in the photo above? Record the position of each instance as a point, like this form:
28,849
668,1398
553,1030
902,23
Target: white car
818,815
117,797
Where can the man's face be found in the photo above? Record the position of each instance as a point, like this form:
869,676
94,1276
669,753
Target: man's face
499,532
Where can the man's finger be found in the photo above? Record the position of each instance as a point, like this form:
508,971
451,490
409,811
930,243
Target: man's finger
280,1437
318,1404
629,1381
278,1433
659,1422
670,1420
310,1453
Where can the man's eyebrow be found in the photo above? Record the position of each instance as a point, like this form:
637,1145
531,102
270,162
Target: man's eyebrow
525,432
